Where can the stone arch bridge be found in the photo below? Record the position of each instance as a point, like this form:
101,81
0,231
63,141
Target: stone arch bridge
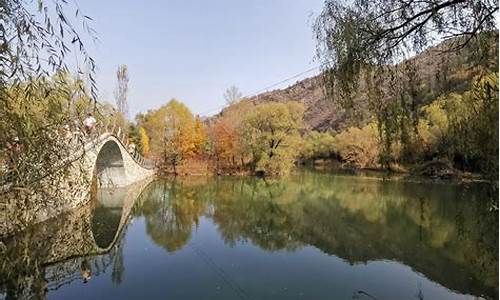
102,159
109,159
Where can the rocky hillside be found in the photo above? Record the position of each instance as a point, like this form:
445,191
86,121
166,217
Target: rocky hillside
438,69
321,114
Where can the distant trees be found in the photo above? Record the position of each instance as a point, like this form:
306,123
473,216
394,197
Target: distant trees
473,127
200,137
433,127
232,95
270,137
317,145
461,129
244,137
358,147
262,138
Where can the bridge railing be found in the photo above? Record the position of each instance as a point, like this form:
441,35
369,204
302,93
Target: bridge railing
113,129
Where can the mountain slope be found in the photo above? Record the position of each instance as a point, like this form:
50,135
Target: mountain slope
439,70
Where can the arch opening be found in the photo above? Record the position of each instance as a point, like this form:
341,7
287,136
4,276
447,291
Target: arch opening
109,167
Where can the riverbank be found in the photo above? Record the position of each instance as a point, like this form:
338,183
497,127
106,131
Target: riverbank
436,171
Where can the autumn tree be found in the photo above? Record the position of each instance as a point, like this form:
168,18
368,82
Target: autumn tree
173,141
473,126
144,138
358,147
317,145
433,127
271,133
174,134
200,135
226,142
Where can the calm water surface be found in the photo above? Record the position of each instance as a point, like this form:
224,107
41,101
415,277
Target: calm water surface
310,236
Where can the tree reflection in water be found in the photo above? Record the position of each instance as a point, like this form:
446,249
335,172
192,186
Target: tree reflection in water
444,231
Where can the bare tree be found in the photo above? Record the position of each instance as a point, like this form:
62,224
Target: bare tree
232,95
121,91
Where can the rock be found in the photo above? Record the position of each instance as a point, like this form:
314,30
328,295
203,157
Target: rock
441,169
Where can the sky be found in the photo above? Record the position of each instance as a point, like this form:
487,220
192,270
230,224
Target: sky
193,50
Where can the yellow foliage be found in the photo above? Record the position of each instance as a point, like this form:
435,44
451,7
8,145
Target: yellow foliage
270,132
200,135
359,146
144,140
174,133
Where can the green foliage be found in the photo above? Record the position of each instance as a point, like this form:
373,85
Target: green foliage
317,145
271,134
463,128
474,126
433,127
134,136
226,146
363,45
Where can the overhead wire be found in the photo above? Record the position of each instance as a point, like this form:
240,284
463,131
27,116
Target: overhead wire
264,89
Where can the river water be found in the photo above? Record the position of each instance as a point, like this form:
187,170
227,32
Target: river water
309,236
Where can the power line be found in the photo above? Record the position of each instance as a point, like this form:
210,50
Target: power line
283,81
265,89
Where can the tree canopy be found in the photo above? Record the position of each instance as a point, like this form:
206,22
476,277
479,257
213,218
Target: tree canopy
270,132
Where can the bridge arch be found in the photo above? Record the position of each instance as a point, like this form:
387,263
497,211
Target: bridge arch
110,167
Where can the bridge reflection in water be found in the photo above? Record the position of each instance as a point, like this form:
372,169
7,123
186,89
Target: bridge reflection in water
56,252
107,216
441,236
